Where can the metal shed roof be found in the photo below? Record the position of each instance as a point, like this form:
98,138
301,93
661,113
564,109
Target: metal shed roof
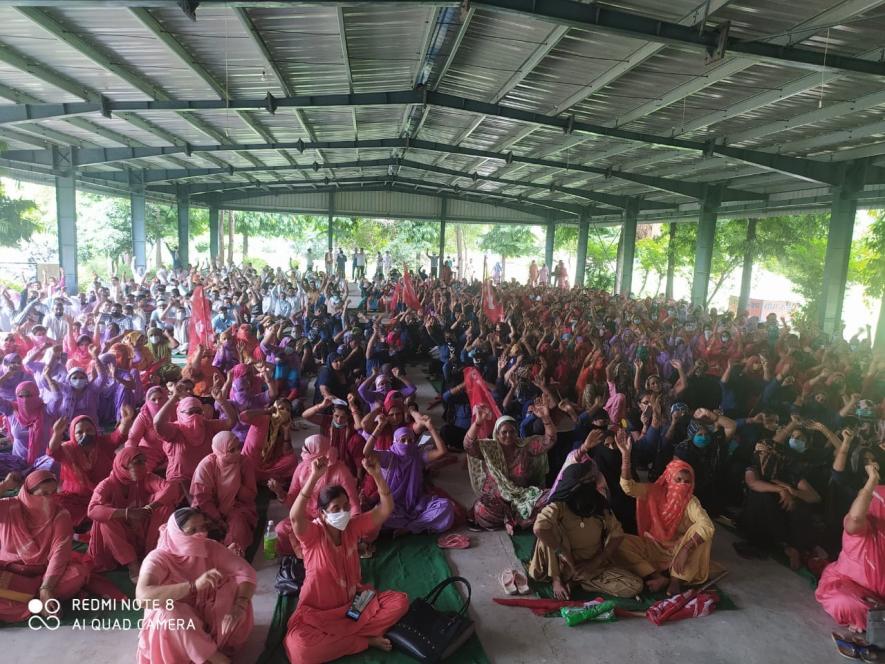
509,110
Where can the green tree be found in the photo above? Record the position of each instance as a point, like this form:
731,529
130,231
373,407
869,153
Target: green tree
868,252
651,256
509,241
19,220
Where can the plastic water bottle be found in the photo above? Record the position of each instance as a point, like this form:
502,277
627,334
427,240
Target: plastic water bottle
270,541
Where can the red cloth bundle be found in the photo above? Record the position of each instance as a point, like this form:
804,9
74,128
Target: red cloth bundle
687,605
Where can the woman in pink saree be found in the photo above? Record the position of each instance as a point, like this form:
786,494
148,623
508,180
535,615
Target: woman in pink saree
35,547
269,441
224,490
143,432
127,510
86,459
315,447
189,438
208,586
319,631
853,584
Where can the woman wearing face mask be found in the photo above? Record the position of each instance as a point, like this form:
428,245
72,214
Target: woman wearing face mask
143,433
12,374
341,427
35,546
77,395
675,534
706,450
224,490
319,630
204,582
226,356
246,392
777,510
855,583
508,472
577,535
269,441
86,459
336,474
127,510
415,511
29,423
189,438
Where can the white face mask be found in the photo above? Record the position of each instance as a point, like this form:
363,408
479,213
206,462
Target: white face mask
78,383
337,520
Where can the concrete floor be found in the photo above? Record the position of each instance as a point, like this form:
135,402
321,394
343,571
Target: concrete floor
777,621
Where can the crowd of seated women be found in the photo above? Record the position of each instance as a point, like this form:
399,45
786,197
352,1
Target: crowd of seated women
619,431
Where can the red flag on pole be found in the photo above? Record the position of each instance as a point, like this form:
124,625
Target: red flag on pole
409,295
491,305
394,299
199,331
478,393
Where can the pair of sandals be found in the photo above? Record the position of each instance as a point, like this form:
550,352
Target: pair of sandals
514,582
852,646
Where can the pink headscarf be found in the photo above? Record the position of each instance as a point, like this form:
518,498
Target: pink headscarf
227,469
149,410
175,541
29,412
87,466
32,522
317,446
192,426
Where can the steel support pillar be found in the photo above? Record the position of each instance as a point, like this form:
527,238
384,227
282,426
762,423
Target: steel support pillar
581,266
137,210
747,273
548,247
627,249
842,212
214,233
184,231
671,261
443,213
879,343
703,250
66,215
330,226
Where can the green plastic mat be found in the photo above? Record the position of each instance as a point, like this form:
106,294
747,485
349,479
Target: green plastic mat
413,565
524,546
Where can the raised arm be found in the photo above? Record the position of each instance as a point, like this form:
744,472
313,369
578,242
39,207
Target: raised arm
856,519
298,513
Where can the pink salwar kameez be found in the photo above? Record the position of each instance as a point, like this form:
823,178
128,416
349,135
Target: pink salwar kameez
35,543
188,440
315,446
319,631
83,467
144,434
224,489
115,542
181,558
859,572
271,454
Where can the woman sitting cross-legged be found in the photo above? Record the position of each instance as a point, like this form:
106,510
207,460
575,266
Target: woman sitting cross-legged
223,489
35,546
778,505
127,510
675,533
207,586
855,583
319,630
415,511
577,537
508,471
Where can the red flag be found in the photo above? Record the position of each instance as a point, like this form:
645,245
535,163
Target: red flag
478,393
409,295
394,299
199,330
491,305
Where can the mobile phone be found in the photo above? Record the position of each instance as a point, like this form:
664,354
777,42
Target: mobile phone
360,602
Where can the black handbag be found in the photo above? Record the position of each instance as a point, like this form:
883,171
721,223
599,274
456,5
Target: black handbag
290,578
429,635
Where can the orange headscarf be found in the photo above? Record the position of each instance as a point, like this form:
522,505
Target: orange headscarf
660,512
